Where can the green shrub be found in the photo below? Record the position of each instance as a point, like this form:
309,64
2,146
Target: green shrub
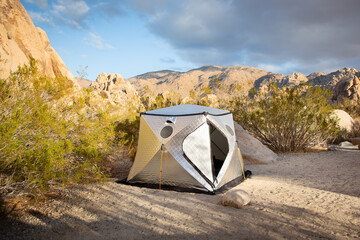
287,119
127,134
49,134
350,106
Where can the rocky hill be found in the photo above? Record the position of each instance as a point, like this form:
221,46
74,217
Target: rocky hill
223,80
20,39
344,83
213,77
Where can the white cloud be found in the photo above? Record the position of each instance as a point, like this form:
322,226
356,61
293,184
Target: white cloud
71,12
167,60
43,4
298,35
41,18
96,41
270,67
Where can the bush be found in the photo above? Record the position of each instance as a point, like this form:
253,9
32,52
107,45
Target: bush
350,106
49,135
127,134
287,119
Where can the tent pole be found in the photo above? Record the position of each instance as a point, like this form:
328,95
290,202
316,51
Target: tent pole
161,160
241,162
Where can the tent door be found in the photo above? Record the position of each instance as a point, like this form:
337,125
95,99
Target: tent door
219,149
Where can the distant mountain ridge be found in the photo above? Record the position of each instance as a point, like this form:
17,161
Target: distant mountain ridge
344,82
207,76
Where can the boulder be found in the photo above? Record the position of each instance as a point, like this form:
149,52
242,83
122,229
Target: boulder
343,146
236,198
116,90
252,150
346,122
20,40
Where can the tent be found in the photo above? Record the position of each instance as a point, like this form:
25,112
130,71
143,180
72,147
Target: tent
187,146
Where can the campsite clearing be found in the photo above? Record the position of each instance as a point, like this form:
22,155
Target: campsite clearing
302,196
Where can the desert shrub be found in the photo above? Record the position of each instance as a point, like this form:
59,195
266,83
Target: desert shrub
49,134
127,134
2,207
151,102
350,106
287,119
356,128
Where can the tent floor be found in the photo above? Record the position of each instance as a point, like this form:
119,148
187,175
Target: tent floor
223,189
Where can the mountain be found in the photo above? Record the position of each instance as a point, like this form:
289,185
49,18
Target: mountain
20,39
214,77
223,80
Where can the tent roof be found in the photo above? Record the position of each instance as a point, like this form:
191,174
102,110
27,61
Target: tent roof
187,109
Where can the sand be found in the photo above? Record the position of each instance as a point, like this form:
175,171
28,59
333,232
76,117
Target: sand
302,196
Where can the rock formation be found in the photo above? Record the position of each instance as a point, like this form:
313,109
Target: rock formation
114,88
20,39
344,83
314,75
252,150
223,81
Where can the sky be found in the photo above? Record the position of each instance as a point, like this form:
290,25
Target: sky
131,37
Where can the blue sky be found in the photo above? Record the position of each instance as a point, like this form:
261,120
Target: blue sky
131,37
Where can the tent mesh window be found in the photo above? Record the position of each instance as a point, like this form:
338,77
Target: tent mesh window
166,132
219,148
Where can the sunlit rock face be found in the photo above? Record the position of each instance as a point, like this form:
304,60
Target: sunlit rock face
115,89
345,83
20,39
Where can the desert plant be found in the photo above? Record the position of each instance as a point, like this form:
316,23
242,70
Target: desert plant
127,134
287,119
49,134
82,72
350,106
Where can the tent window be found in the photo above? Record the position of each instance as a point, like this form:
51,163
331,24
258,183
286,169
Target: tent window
219,148
166,132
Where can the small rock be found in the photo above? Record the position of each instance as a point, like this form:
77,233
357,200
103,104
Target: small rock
236,198
346,144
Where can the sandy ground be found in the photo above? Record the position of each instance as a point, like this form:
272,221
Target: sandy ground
303,196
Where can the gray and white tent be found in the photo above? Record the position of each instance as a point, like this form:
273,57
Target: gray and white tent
187,146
